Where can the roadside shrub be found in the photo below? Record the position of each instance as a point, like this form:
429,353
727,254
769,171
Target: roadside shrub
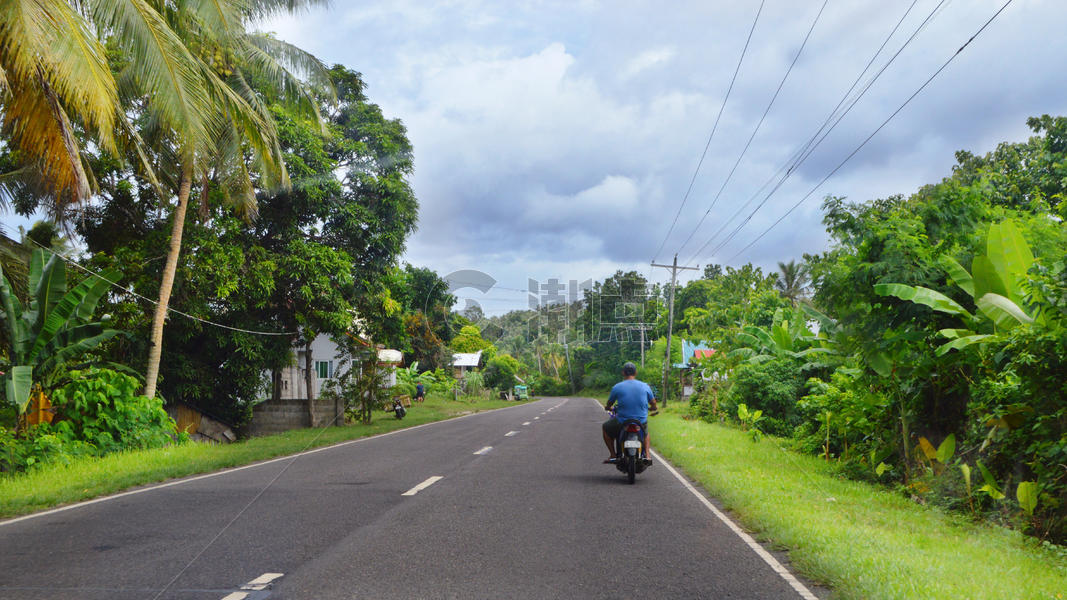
474,383
546,385
38,446
403,388
500,372
102,408
773,387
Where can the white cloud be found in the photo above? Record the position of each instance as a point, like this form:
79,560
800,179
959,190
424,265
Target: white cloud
646,60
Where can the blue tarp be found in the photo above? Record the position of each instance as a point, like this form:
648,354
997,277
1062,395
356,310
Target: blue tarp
688,350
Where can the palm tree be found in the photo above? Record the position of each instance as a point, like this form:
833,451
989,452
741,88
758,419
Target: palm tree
186,74
792,281
228,57
53,75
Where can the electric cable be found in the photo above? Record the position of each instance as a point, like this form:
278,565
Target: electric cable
875,132
757,128
800,156
729,89
74,264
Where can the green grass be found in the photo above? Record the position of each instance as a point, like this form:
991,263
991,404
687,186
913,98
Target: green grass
863,541
85,478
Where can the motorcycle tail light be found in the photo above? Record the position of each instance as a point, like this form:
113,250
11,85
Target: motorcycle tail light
633,428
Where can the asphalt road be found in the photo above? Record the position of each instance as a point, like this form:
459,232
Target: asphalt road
514,503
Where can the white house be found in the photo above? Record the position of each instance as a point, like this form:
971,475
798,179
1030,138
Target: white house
326,367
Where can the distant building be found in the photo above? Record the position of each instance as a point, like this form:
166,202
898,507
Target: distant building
465,362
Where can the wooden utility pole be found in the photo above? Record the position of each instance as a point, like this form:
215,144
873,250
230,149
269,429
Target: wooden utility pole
670,321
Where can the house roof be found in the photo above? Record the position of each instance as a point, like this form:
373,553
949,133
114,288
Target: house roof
466,359
387,355
692,351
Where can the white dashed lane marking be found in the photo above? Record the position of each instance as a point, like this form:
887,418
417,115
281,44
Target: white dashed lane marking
423,485
510,433
484,450
263,582
526,423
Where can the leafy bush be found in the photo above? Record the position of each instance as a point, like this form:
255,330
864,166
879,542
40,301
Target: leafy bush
772,387
102,408
403,389
547,385
500,372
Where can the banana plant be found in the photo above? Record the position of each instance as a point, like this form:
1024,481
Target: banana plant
994,283
788,336
54,327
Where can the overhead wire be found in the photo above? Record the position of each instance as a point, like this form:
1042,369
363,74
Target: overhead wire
757,128
875,132
129,291
801,155
714,127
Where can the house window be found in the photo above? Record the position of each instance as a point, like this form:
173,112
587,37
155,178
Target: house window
324,369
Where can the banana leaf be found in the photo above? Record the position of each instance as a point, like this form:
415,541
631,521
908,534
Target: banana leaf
18,383
1002,311
957,274
51,287
925,296
1010,255
961,343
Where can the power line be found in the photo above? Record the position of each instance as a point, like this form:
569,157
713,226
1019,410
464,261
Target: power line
729,89
809,147
71,262
875,132
758,125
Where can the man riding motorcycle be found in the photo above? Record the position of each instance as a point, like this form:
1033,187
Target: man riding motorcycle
631,398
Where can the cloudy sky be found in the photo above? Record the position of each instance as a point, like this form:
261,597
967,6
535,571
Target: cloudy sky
558,139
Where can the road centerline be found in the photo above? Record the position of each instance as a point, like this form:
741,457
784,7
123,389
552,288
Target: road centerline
484,450
425,484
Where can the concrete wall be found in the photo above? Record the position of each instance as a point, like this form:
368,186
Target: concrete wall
289,413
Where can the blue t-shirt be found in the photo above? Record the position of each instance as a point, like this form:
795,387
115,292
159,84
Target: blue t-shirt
631,398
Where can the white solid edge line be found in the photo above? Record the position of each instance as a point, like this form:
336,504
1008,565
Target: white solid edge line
423,485
484,450
159,486
745,537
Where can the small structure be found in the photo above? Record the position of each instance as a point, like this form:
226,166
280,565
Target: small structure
691,353
388,361
200,426
465,362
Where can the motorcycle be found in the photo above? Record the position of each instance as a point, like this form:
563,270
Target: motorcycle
398,408
628,446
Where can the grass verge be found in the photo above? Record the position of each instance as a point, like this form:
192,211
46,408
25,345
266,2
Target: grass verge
85,478
862,541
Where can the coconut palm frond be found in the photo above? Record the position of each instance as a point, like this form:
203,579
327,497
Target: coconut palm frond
290,59
164,70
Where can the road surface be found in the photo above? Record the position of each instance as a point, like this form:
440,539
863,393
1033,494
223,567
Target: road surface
512,503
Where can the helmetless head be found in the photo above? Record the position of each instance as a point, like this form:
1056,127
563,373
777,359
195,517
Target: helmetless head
629,370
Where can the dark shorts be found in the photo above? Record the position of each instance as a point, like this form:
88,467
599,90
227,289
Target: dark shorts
613,427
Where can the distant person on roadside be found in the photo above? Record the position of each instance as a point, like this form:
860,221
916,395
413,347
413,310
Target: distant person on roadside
420,392
632,399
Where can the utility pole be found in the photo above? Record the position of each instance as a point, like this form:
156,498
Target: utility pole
642,345
670,321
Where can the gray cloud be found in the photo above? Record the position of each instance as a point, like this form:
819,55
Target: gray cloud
555,139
